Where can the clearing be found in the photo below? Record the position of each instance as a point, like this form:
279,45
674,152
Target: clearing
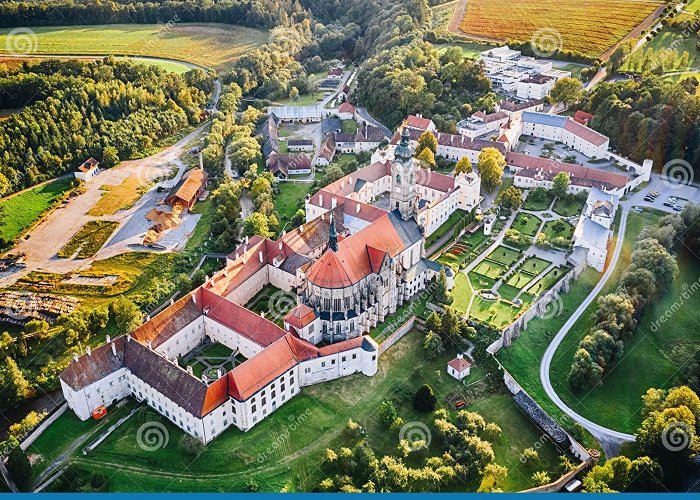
214,46
89,239
118,197
607,22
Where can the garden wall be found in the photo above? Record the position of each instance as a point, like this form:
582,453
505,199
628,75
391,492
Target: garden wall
396,336
29,440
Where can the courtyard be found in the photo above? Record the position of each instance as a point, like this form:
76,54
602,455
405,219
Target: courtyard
207,359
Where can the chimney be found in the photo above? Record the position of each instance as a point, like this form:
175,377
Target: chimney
205,379
262,314
358,208
88,351
108,339
149,344
114,349
189,370
260,256
350,180
460,355
128,337
219,373
320,199
301,228
172,300
334,202
246,240
75,356
194,298
279,246
148,318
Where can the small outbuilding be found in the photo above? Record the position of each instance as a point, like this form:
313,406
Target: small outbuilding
89,169
459,367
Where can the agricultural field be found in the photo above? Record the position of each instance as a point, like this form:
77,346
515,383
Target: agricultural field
606,21
285,449
89,239
214,46
19,211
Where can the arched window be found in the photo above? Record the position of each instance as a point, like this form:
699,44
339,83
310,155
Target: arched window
325,329
352,325
337,329
398,179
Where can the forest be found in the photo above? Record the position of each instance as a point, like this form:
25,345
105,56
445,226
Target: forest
70,111
257,14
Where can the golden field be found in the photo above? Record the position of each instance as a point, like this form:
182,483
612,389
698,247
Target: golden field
588,27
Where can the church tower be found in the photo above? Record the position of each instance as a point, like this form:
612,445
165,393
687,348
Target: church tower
403,178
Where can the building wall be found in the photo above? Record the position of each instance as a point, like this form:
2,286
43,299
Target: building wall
104,392
230,338
243,294
184,341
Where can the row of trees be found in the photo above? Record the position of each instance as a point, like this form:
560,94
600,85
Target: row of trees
71,111
652,268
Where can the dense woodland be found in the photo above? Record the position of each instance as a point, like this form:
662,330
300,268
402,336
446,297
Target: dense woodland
257,13
71,111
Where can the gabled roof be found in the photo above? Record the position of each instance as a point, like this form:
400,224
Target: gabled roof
544,119
89,369
88,165
418,122
189,186
346,107
459,364
171,320
453,140
301,316
585,133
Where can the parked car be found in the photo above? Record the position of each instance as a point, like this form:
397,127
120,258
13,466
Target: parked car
677,208
669,203
648,198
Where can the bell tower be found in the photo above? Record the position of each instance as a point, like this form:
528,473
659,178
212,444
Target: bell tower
403,178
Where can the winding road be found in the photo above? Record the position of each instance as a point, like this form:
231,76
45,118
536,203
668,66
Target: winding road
609,439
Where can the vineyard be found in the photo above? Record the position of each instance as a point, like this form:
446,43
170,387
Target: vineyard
588,28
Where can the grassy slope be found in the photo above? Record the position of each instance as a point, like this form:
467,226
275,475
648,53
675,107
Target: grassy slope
287,447
19,211
209,45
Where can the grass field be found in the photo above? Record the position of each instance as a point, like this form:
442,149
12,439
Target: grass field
118,197
490,269
469,49
285,449
290,199
535,265
549,230
536,205
567,207
19,211
504,255
667,39
607,21
526,224
653,350
546,281
519,280
210,45
89,239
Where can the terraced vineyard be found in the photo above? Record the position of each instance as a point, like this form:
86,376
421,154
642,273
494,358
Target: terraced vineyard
590,28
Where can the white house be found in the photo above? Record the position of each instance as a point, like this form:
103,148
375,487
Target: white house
564,129
459,367
89,169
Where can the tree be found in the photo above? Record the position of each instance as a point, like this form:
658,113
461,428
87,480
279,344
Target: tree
491,166
258,224
463,166
110,157
433,323
566,91
427,157
650,254
511,197
332,173
19,468
560,183
432,345
424,400
493,478
388,413
191,445
294,94
37,327
20,386
442,293
540,478
530,455
427,141
126,314
585,372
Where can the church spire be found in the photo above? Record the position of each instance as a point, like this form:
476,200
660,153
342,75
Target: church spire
332,236
404,151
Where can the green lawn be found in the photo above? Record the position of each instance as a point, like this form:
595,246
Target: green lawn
481,282
550,232
535,205
89,239
535,265
490,269
519,280
214,46
504,255
469,49
285,449
18,212
508,292
349,126
462,293
549,279
526,224
499,314
567,207
289,200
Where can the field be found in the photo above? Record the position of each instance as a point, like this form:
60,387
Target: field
568,207
19,211
546,281
290,199
118,197
209,45
89,239
549,230
284,451
607,22
535,205
526,224
490,269
504,255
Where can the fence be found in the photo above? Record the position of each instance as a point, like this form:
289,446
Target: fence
38,431
396,336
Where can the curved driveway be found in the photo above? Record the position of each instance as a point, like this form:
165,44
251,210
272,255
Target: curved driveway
609,439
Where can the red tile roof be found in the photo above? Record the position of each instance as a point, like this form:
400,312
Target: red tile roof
453,140
491,117
435,180
418,122
301,316
171,320
582,117
459,364
585,133
346,107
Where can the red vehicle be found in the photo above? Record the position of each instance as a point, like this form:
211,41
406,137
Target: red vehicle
99,412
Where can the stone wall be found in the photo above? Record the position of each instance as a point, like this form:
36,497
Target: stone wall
396,336
39,430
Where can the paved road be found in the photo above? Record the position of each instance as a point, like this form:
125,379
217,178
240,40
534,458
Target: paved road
609,439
